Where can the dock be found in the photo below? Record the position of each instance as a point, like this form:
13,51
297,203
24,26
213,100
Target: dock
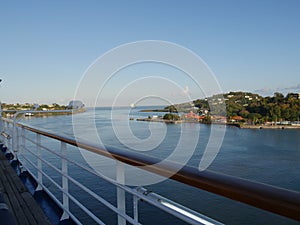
17,205
159,120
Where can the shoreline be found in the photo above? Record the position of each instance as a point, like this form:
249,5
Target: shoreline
278,127
160,120
241,126
46,113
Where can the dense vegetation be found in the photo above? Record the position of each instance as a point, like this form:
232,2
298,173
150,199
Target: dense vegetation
261,109
249,106
28,106
171,116
43,110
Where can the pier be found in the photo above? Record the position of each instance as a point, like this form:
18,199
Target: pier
159,120
18,206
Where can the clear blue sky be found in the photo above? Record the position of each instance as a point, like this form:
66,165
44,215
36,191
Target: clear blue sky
45,46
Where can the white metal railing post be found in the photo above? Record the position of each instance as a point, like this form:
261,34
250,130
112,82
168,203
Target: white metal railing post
6,140
136,208
22,149
7,127
1,121
14,136
39,163
65,185
120,176
10,140
17,151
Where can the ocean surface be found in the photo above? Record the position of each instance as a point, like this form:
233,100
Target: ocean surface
268,156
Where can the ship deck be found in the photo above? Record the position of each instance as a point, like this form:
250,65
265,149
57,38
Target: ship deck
17,205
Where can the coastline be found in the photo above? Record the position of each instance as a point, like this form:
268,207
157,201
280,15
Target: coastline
59,113
282,127
154,110
160,120
44,113
241,126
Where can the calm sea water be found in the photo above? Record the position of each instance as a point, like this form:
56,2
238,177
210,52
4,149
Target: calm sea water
268,156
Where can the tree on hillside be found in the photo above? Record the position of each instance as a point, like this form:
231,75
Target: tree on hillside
171,108
171,116
278,97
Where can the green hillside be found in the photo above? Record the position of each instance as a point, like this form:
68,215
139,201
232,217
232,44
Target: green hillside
249,106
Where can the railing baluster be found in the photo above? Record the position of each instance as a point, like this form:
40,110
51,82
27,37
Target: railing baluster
39,163
8,141
136,208
65,185
22,149
120,192
4,140
14,137
1,121
17,140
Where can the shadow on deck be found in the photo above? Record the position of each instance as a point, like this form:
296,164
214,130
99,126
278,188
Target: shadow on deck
17,205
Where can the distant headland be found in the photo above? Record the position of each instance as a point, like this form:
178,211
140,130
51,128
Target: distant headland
74,106
241,109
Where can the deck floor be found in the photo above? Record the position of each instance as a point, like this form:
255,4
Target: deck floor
21,204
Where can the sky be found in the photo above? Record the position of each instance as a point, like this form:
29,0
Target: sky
47,47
